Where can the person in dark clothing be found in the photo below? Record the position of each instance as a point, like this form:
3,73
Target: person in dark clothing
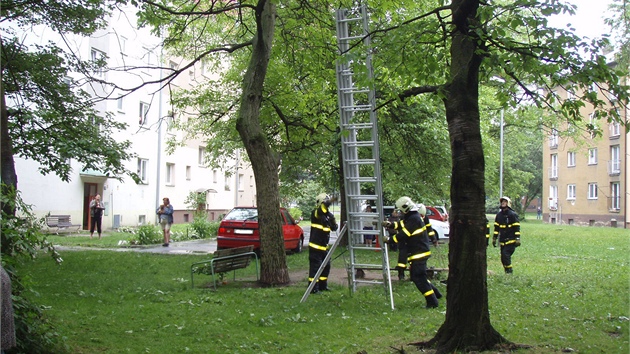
433,236
96,215
507,229
322,222
412,233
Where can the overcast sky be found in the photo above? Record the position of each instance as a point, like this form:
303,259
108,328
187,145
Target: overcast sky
588,20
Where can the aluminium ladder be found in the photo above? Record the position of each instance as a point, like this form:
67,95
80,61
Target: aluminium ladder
360,147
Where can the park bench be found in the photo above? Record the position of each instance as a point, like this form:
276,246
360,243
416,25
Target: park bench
224,261
61,223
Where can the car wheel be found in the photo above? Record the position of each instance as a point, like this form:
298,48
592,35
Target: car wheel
300,245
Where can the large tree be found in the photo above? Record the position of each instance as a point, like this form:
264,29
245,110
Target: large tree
463,45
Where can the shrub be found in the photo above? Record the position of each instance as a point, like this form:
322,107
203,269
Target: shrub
148,235
296,213
202,228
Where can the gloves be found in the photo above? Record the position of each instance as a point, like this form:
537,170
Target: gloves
386,223
517,243
494,242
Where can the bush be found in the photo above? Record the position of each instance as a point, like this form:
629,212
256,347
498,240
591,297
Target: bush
202,228
148,235
296,213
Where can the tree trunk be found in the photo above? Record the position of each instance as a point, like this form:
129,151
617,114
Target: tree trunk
265,161
7,164
467,325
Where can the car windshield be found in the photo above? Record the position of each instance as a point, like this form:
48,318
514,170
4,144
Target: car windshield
242,214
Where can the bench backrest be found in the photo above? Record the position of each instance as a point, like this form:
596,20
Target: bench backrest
228,259
57,219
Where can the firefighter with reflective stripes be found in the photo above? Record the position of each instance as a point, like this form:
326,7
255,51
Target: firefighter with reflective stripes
322,222
411,232
507,229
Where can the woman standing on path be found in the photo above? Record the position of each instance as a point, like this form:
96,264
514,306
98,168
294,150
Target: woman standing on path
165,211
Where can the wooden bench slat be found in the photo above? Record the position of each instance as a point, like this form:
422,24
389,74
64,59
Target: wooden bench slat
60,223
226,260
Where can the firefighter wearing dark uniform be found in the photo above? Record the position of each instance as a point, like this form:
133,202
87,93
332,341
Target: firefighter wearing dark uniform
322,222
411,232
507,229
433,236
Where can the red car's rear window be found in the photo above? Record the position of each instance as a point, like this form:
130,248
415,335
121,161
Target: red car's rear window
238,214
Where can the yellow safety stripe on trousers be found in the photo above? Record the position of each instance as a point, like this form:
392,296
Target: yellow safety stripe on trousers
321,227
429,293
323,278
317,247
402,265
418,256
507,243
507,226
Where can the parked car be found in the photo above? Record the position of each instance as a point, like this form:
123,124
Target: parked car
435,214
240,228
442,211
442,229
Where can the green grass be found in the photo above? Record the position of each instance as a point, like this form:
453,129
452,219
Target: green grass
570,289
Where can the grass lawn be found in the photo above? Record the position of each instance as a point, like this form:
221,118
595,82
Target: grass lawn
569,293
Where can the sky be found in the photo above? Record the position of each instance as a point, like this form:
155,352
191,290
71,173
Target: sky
588,20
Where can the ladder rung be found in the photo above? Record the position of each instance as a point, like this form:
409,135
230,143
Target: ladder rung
354,90
359,144
369,266
340,39
357,126
361,197
361,161
364,215
352,19
361,179
358,107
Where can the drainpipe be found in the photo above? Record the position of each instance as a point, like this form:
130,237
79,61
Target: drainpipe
159,141
236,177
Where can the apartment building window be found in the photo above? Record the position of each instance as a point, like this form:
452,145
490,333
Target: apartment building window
122,42
553,169
173,65
227,182
215,179
120,103
592,191
553,138
571,159
614,165
142,220
571,192
142,170
251,181
201,157
553,197
615,196
143,114
96,55
148,57
592,156
170,174
615,129
170,121
240,182
188,173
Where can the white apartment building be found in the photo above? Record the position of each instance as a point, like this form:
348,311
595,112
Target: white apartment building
147,113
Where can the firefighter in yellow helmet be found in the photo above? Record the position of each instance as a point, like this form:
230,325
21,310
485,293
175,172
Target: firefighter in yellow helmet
411,232
322,222
507,229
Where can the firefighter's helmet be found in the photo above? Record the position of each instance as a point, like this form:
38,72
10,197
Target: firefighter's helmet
422,209
509,202
322,198
405,204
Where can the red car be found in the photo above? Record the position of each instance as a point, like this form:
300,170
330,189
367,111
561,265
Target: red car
435,214
240,228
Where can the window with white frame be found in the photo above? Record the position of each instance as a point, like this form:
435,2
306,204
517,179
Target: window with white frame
201,156
170,174
143,170
571,192
149,57
227,182
215,178
173,65
251,181
553,138
592,191
553,198
553,169
188,172
571,159
143,114
122,42
97,55
120,103
592,156
615,129
615,160
240,182
615,196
